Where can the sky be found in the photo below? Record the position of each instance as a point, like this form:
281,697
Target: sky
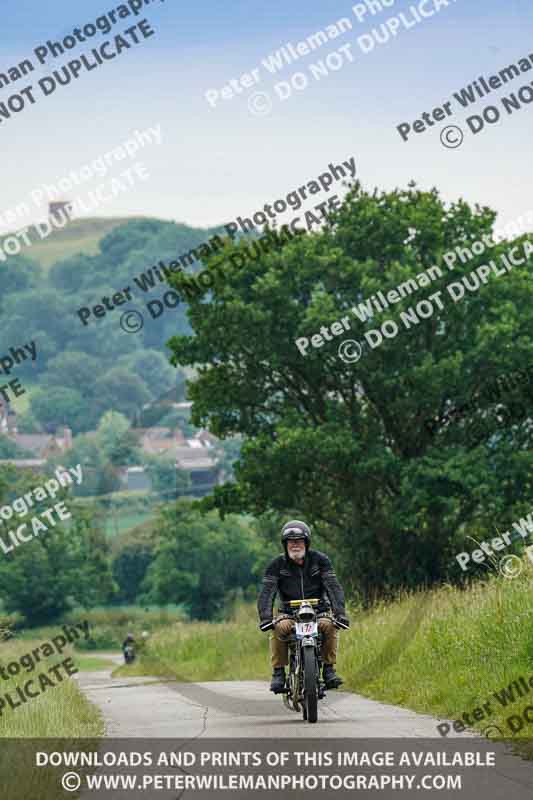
216,163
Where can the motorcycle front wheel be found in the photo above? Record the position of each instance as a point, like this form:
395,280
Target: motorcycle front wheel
310,704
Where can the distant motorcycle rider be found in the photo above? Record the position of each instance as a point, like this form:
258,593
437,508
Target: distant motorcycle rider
128,647
301,573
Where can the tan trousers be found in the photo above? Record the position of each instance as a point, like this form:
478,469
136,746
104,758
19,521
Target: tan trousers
279,647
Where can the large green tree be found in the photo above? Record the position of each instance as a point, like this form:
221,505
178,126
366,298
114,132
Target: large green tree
344,444
133,554
116,441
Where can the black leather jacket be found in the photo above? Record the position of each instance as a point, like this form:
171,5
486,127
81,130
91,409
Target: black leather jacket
316,578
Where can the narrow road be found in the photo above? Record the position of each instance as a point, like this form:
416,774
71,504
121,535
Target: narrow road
185,717
147,707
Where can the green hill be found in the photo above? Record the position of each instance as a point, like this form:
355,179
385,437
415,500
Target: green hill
80,236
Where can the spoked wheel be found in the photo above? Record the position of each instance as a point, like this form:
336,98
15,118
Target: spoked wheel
310,703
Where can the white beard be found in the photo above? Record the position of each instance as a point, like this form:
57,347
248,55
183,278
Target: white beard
297,556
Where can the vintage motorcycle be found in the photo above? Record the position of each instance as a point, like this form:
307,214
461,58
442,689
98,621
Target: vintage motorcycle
304,686
129,654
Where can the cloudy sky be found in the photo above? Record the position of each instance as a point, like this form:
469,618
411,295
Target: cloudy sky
217,163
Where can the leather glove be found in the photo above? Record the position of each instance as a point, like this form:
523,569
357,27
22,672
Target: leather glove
265,625
343,620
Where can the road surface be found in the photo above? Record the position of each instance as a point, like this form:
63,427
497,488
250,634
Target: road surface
148,707
181,717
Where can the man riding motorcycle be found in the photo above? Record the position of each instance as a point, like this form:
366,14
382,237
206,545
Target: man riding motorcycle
128,645
301,573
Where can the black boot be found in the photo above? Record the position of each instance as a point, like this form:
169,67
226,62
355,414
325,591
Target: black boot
331,679
277,683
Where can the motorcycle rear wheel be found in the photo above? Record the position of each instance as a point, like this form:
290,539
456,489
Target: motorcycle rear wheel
310,704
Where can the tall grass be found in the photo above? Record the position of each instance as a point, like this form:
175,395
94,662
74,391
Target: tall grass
108,626
60,711
470,644
59,719
444,652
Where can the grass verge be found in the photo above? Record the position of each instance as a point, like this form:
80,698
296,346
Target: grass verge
92,663
60,710
60,719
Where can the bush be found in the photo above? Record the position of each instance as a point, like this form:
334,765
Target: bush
199,559
100,639
129,567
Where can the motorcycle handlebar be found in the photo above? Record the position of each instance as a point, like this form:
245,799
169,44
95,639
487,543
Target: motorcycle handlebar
341,625
267,626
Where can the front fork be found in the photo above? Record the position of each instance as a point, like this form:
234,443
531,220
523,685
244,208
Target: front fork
321,685
293,695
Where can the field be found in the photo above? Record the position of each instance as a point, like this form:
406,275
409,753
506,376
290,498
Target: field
120,511
118,521
80,236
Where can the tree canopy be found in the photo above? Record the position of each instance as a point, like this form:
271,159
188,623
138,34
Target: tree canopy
345,444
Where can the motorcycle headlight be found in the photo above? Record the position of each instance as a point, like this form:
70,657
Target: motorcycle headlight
306,614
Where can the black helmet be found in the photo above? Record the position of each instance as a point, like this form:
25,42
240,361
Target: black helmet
295,530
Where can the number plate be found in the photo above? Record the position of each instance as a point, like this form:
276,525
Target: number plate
306,628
